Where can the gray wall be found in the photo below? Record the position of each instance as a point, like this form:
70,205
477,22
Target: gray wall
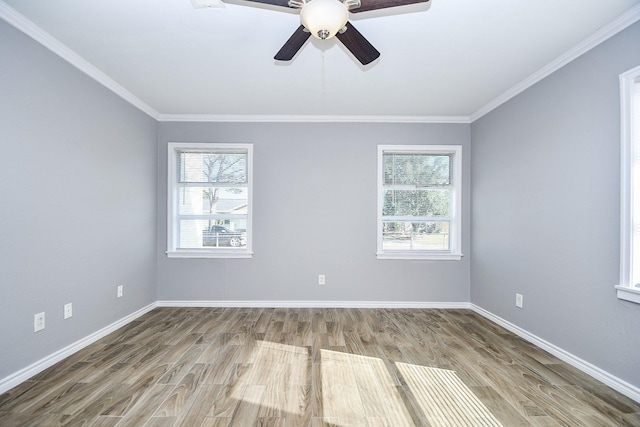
83,175
78,206
314,212
545,215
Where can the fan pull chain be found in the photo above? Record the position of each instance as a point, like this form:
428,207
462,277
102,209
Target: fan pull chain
322,82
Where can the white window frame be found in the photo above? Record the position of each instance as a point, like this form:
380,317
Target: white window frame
172,203
455,226
630,149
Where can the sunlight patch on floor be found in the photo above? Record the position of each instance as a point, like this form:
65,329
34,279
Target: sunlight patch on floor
355,390
277,380
444,399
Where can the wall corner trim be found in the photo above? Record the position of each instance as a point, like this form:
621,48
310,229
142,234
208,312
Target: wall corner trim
617,25
605,377
21,23
24,374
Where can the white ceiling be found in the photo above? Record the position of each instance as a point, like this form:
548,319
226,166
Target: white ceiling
451,60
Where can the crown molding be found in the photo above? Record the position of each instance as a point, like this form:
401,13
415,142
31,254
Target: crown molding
227,118
614,27
28,27
20,22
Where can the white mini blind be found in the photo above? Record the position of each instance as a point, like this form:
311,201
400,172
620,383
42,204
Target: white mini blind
209,200
419,202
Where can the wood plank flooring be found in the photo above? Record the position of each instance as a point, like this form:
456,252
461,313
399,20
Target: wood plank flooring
313,367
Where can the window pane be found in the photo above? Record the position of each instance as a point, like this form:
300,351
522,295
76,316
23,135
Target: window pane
203,233
635,184
417,169
220,167
209,200
416,202
212,200
419,201
428,235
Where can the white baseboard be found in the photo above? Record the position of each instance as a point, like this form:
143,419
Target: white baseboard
24,374
316,304
612,381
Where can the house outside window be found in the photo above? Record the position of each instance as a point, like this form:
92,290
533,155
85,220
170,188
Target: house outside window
419,202
209,200
629,287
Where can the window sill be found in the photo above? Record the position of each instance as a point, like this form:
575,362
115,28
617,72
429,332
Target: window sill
420,256
208,254
628,294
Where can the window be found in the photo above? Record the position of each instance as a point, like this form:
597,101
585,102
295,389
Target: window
419,200
629,287
209,200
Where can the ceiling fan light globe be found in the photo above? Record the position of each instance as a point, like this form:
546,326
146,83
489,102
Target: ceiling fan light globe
324,18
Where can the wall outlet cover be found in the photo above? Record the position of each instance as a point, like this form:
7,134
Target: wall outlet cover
68,310
519,300
38,322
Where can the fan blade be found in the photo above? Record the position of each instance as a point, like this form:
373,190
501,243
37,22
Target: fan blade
281,3
366,5
293,45
358,45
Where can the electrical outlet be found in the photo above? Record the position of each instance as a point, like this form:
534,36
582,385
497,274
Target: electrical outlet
68,310
120,291
321,279
519,300
38,322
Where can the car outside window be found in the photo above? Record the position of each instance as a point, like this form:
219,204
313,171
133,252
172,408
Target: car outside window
209,200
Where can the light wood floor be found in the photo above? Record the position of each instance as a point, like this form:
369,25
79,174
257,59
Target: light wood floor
313,367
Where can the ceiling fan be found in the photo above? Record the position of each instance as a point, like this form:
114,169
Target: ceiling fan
328,18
